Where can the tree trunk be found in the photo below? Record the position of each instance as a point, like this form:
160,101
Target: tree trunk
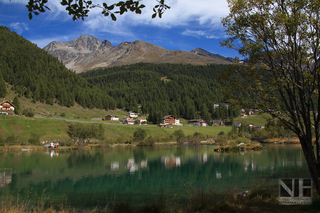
314,166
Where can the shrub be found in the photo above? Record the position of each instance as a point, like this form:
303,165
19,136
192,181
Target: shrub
139,134
35,139
28,113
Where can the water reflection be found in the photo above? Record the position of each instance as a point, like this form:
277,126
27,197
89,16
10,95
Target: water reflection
5,177
136,174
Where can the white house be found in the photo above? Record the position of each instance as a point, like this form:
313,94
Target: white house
132,114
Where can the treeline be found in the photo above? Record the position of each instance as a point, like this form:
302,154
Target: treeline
185,91
37,75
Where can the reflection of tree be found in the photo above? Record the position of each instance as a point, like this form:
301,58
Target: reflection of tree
85,159
139,155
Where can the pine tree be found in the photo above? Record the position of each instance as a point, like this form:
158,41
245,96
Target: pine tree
3,89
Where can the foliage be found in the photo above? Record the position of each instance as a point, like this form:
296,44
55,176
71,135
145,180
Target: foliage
35,139
16,104
36,74
79,9
84,133
11,139
179,135
28,113
190,93
281,40
3,89
139,134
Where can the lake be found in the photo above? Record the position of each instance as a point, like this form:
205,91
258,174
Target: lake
88,178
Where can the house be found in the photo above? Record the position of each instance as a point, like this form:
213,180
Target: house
243,115
251,112
171,120
132,114
217,122
250,126
216,105
111,118
129,121
6,108
259,127
237,124
198,122
141,121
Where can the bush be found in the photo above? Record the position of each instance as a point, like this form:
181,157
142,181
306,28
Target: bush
12,139
139,134
35,139
28,113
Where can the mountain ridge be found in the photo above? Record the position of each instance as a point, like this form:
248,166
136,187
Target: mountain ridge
87,53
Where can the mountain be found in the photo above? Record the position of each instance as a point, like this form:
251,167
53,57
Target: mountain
35,74
205,53
87,52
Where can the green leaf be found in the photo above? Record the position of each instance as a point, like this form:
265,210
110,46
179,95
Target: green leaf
113,17
30,16
154,15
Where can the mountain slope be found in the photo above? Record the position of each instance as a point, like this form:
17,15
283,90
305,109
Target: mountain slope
37,75
88,52
202,52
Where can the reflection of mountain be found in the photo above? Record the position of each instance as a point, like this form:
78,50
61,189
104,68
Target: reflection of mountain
5,177
103,174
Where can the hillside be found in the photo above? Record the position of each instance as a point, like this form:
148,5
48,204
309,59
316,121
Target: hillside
87,52
37,75
186,91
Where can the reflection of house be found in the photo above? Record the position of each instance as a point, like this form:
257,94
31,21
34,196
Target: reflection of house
132,166
111,118
115,165
198,122
171,162
170,120
217,122
7,108
5,177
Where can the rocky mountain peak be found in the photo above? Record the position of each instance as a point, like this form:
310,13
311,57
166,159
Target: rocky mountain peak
88,52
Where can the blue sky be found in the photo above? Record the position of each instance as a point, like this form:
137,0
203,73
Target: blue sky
187,25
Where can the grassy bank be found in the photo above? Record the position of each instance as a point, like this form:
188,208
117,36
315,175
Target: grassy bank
21,129
262,198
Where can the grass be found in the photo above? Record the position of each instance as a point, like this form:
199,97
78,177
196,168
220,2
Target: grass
261,198
21,128
257,120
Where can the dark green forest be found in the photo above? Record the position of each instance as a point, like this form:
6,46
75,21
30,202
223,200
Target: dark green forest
185,91
37,75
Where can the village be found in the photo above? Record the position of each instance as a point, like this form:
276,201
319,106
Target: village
134,118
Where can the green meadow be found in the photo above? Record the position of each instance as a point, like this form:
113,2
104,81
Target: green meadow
53,128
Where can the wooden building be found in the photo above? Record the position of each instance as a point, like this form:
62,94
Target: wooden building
6,108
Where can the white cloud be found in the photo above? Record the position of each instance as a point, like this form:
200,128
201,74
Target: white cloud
207,34
19,27
189,14
45,41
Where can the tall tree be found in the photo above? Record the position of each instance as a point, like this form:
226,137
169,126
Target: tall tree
282,42
3,89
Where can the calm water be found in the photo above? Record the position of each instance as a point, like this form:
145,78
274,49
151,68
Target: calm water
87,178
